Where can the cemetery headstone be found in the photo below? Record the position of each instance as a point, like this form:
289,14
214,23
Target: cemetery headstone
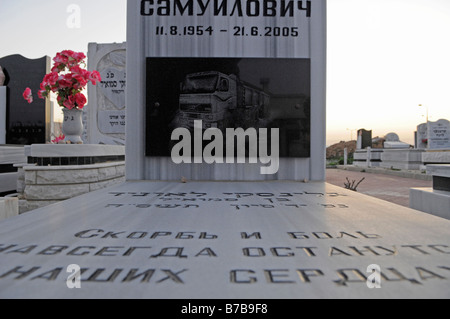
226,66
25,124
421,136
212,239
392,137
105,116
439,134
392,141
364,139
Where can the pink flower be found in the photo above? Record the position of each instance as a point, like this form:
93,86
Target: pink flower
28,95
64,82
79,56
42,94
50,79
76,69
69,102
78,81
95,77
67,58
80,100
67,85
60,58
58,139
67,53
80,73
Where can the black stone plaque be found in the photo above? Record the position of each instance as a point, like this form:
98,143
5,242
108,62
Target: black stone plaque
229,93
441,183
25,123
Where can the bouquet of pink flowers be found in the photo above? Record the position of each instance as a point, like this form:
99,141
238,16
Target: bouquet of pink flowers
68,86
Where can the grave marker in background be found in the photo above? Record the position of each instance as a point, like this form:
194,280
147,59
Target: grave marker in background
392,141
105,114
421,136
26,123
364,139
439,135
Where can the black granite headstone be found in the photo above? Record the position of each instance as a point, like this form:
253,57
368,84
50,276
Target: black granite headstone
25,123
366,138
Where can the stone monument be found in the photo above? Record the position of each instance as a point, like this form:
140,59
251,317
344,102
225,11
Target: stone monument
190,94
438,146
439,135
26,124
105,115
422,136
400,155
392,140
365,155
179,237
364,139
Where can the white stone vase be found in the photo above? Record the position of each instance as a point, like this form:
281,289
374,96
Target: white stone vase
72,126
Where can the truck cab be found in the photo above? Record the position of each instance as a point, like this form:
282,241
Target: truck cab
207,96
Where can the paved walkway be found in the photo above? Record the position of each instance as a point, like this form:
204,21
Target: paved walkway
390,188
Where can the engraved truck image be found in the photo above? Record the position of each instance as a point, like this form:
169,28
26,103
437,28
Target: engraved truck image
220,101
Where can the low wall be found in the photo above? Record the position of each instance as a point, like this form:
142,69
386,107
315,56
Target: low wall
46,185
369,157
409,159
9,155
436,157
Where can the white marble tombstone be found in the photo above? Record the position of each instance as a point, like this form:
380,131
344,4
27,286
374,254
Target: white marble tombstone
105,114
439,134
226,29
392,140
421,137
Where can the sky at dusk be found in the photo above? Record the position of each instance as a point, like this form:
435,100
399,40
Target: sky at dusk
385,57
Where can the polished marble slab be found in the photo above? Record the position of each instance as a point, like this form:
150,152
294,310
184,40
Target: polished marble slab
225,240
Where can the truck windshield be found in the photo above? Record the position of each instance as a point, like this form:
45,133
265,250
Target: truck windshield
200,84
